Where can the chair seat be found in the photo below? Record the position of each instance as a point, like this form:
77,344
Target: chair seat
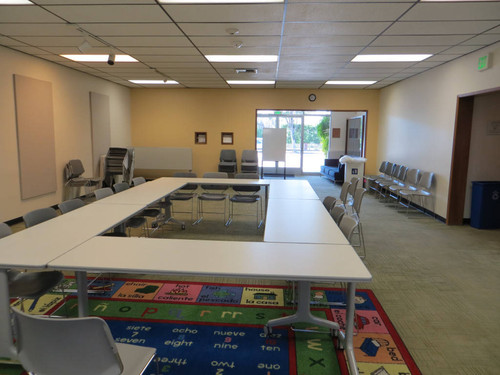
136,222
212,197
150,212
182,196
414,192
245,198
33,284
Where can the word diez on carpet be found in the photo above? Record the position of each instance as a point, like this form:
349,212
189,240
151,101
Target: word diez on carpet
212,328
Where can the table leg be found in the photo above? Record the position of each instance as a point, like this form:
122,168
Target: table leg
349,328
303,313
7,348
83,298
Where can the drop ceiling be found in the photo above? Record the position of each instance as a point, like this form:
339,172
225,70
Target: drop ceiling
315,40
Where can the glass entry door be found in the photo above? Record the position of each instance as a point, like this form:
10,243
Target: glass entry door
304,151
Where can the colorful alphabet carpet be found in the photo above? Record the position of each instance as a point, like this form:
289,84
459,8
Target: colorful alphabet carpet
204,328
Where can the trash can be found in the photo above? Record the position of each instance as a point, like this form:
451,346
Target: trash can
485,209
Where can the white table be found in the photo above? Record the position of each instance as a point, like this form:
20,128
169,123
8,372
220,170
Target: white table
35,247
69,242
304,263
301,221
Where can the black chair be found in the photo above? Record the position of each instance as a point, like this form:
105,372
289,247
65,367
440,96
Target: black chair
246,194
227,161
212,193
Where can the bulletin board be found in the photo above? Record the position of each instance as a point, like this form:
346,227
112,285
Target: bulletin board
35,136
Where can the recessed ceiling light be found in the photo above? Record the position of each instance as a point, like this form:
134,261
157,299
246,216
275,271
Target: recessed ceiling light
391,58
350,82
153,82
99,58
248,82
242,58
219,1
15,2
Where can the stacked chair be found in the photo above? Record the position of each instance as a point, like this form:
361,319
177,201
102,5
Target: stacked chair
249,161
227,161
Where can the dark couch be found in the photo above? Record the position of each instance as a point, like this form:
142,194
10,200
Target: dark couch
333,170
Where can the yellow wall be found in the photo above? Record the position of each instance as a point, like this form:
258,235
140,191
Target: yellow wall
170,117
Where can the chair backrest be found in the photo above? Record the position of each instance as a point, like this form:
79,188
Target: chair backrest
403,170
5,230
185,174
215,186
250,176
70,205
337,213
215,175
353,186
74,168
103,193
347,226
77,346
329,202
388,168
412,177
425,181
249,156
39,216
227,156
344,191
121,186
382,167
138,181
247,188
358,198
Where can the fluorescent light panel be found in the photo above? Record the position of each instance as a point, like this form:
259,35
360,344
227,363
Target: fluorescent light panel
99,58
249,82
391,58
15,2
153,82
219,1
350,82
242,58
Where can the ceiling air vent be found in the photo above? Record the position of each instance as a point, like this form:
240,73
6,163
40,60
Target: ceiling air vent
253,71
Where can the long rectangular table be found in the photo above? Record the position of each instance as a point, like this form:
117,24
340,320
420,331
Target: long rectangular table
302,254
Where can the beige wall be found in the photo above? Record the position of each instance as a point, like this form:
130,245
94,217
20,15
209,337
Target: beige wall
170,117
70,93
417,116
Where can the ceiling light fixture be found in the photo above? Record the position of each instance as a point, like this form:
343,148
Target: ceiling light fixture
219,1
350,82
15,2
233,82
391,58
99,58
242,58
153,82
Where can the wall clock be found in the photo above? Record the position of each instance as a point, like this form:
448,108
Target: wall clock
312,97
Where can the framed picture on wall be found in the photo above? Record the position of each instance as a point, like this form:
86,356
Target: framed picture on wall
226,138
200,138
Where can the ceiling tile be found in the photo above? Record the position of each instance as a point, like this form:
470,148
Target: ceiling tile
482,40
219,29
439,27
132,29
147,41
322,12
419,40
436,11
230,41
314,29
26,14
226,12
110,13
331,41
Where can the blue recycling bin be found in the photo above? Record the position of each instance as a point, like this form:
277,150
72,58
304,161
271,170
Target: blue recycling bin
485,210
